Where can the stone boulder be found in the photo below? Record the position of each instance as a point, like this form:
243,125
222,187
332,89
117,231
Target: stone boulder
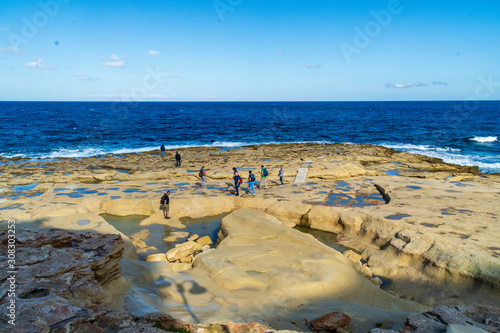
331,322
183,250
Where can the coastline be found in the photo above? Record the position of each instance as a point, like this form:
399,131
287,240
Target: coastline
439,228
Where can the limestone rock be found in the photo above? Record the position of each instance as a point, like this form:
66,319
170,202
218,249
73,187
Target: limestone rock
331,322
205,240
180,267
141,235
324,218
156,257
351,255
124,207
193,238
183,250
288,211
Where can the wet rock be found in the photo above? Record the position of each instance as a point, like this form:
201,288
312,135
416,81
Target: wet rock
331,322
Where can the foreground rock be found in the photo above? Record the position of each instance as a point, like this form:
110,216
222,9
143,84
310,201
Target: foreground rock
70,282
262,271
474,318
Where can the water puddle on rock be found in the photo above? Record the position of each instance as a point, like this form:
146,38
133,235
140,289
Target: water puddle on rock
129,225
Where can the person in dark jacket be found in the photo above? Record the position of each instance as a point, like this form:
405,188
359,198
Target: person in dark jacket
177,160
165,202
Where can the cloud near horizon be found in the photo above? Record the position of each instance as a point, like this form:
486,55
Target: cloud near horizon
153,53
113,61
414,84
35,64
312,66
12,49
84,77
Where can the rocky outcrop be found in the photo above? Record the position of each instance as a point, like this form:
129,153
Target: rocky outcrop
69,282
467,319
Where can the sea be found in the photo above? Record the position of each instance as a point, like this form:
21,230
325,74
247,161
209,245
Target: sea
460,132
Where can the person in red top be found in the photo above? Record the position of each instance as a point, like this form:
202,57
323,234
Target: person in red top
202,176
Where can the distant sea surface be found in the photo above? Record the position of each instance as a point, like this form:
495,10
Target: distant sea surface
460,132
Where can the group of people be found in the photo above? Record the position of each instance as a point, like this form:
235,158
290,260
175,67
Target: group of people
238,180
178,158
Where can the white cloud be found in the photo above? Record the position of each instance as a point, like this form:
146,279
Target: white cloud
414,84
312,66
153,53
2,29
113,61
12,49
131,96
35,64
406,85
84,77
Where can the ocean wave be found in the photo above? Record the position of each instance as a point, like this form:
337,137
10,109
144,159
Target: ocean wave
484,139
419,148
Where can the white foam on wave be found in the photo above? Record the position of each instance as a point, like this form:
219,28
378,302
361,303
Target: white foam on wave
484,139
419,148
486,164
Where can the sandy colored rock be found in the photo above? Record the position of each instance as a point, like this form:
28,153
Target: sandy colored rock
205,240
156,257
183,250
351,255
251,256
324,218
124,207
288,211
193,238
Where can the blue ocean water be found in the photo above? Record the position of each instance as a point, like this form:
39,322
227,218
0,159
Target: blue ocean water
461,132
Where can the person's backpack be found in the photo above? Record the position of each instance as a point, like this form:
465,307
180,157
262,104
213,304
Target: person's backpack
265,172
252,177
162,200
201,173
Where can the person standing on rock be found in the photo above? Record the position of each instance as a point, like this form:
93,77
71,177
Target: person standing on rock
162,149
202,176
280,173
237,181
177,160
263,177
165,202
251,181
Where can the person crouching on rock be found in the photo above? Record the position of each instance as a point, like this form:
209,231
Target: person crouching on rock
165,202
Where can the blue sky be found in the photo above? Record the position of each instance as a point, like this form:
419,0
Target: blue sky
243,50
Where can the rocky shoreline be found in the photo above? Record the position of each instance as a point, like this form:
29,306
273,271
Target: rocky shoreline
437,232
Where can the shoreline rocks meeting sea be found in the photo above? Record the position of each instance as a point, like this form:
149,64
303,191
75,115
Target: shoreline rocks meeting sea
420,244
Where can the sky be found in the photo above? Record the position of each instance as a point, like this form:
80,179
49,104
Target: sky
249,50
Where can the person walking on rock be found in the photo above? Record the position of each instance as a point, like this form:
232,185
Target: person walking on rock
263,177
177,160
202,176
251,181
237,181
165,202
280,173
162,149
